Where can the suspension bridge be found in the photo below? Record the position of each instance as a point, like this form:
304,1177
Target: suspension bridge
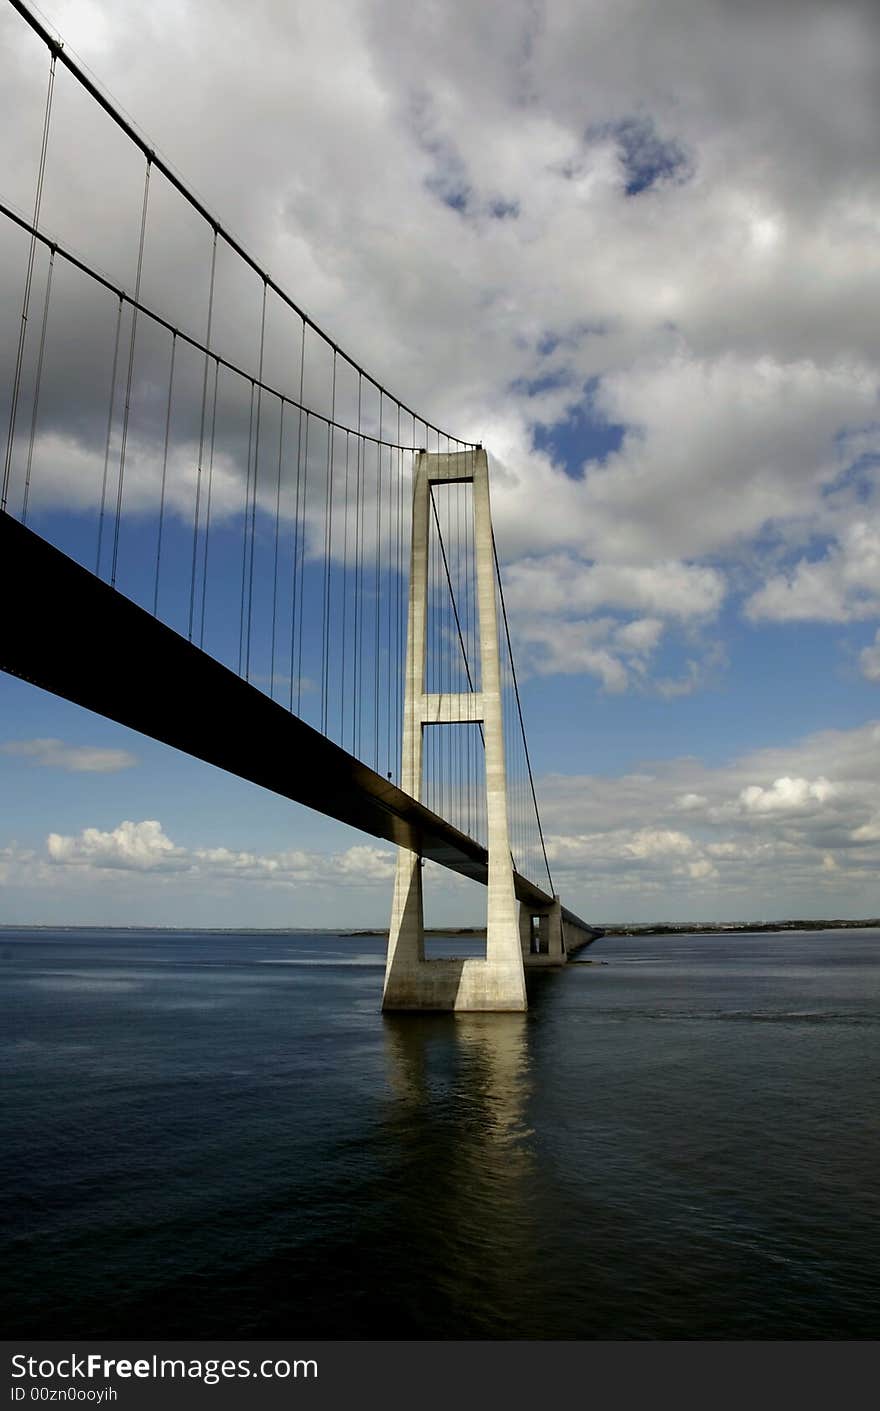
218,529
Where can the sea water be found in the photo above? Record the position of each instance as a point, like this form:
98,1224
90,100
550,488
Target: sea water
218,1135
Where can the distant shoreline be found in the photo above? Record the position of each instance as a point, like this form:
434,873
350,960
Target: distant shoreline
636,928
673,928
727,928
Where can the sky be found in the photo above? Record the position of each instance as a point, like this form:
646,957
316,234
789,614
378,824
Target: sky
630,248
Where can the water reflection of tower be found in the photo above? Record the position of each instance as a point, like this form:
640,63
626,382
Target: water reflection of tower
462,1170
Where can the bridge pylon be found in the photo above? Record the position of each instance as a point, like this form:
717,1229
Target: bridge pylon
473,984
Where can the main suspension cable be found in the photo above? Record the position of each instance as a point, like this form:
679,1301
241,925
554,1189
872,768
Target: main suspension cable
58,52
193,342
519,710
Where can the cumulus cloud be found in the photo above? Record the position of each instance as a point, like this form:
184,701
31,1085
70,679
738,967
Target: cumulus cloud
79,759
138,847
795,828
572,648
145,847
361,863
701,870
718,449
777,831
647,856
17,863
868,832
552,596
786,795
869,658
841,586
562,583
641,844
498,235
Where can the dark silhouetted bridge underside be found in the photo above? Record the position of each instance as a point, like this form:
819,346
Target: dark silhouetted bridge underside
72,634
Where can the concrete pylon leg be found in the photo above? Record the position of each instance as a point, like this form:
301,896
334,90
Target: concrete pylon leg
525,930
553,950
406,938
411,981
556,946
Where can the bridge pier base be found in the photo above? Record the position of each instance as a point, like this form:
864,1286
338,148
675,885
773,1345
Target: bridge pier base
467,984
545,944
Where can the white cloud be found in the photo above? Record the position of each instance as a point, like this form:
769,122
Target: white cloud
359,864
364,863
17,863
499,234
619,845
751,837
564,584
654,842
639,636
688,802
869,658
85,759
145,847
139,847
786,795
697,672
842,586
620,654
757,835
701,870
572,648
718,449
551,596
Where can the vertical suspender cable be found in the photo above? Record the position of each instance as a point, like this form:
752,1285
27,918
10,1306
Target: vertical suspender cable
519,712
164,473
208,505
109,431
344,589
358,615
30,457
294,595
328,552
378,585
388,608
462,730
244,539
398,658
275,566
29,274
131,346
302,556
192,587
398,655
247,663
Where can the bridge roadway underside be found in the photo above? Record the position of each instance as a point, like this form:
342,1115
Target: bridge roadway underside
67,631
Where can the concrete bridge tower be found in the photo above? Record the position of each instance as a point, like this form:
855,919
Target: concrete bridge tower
411,981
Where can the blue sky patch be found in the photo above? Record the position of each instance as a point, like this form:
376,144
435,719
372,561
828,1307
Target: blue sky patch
536,386
581,436
859,473
645,156
454,196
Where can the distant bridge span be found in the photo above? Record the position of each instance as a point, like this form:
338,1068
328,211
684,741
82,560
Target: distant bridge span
74,635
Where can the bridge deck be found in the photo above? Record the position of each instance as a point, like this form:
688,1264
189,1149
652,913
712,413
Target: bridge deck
74,635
